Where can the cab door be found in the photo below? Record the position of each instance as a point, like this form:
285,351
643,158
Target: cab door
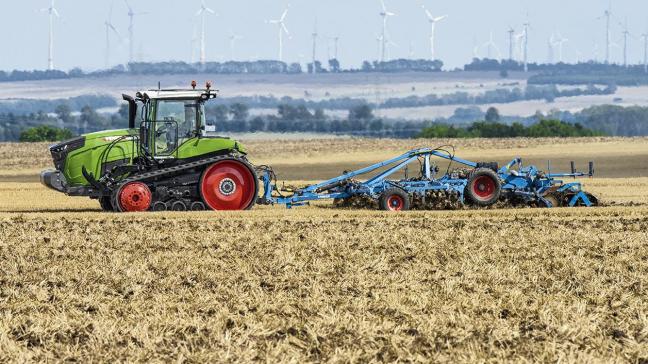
174,124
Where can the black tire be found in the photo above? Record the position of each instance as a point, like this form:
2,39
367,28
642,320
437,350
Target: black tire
106,204
484,188
394,199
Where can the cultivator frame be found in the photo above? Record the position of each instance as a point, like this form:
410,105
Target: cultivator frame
481,184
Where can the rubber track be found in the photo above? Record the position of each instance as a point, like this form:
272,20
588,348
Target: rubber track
159,173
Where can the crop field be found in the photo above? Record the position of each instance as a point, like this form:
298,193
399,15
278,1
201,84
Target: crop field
323,284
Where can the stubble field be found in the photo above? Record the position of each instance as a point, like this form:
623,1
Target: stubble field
323,284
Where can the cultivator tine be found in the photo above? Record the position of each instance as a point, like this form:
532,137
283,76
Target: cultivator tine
591,169
573,168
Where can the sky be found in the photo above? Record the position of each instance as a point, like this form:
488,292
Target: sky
166,31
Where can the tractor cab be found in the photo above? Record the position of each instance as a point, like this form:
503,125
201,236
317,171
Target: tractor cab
169,119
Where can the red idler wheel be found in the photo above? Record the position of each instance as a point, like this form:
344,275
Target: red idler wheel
134,197
394,199
230,184
483,188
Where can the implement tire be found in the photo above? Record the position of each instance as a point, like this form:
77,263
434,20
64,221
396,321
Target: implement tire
394,199
483,188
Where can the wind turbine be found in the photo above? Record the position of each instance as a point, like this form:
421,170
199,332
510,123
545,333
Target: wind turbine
607,15
551,44
202,12
645,57
385,14
527,25
282,29
491,45
433,21
315,35
559,41
336,39
232,41
110,28
50,54
511,34
131,27
625,33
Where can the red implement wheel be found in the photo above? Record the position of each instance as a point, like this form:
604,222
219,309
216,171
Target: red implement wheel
394,199
484,187
134,197
229,185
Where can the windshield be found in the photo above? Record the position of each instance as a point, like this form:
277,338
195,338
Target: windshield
184,113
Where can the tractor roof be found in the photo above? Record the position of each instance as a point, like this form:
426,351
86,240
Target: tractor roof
178,94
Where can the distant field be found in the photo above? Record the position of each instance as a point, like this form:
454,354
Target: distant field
311,159
374,87
319,284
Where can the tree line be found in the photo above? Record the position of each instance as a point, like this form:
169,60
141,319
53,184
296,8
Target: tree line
360,121
230,67
498,96
489,129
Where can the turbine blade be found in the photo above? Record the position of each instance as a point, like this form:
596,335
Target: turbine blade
210,10
382,2
55,12
283,26
199,12
130,10
283,16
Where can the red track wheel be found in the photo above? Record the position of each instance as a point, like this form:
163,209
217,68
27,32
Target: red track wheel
134,197
229,185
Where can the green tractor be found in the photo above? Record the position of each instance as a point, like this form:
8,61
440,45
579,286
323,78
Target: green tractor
169,163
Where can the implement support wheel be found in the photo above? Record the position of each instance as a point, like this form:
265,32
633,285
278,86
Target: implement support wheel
394,199
230,184
484,187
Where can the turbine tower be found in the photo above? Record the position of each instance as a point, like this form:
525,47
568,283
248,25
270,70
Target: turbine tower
232,41
433,21
551,45
282,29
131,27
607,15
202,12
385,14
110,28
645,59
314,46
336,39
625,33
511,34
526,46
50,53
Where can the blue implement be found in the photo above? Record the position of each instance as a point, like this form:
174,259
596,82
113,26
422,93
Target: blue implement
476,184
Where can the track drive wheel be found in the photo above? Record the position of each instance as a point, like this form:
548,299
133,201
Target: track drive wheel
230,184
106,204
133,197
484,187
394,199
